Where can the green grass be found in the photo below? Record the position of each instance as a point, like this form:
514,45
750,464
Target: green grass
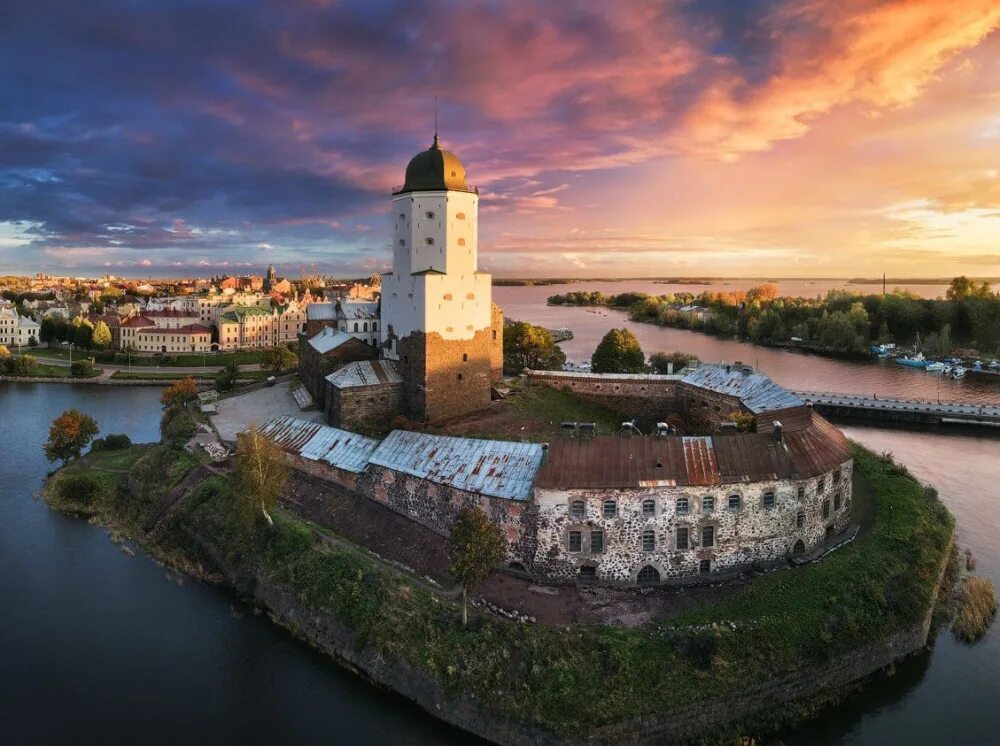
43,370
547,676
249,357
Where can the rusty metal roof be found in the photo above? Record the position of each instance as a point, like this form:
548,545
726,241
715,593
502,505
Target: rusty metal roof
328,339
489,467
365,373
610,462
311,440
756,392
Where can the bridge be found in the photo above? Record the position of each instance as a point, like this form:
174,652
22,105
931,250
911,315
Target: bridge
902,410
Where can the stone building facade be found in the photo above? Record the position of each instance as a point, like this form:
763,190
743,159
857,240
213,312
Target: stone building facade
364,395
321,355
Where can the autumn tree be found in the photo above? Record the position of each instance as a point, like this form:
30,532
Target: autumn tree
83,335
475,546
102,335
277,359
261,472
529,346
618,352
6,360
69,435
180,392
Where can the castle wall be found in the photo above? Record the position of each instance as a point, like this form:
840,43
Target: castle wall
315,366
435,506
752,534
363,408
444,378
646,396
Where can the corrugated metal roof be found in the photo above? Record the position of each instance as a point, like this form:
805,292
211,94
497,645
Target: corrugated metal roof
365,373
757,392
610,462
311,440
488,467
328,339
359,309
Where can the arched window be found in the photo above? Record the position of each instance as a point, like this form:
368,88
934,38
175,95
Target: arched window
649,507
734,502
707,504
355,326
648,576
682,506
800,519
768,501
648,540
576,509
799,549
610,508
364,327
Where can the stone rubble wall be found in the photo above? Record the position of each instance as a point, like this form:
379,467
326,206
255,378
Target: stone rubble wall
361,407
752,535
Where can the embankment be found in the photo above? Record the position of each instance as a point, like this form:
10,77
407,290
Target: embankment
734,667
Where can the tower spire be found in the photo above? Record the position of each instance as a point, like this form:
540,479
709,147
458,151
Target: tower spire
436,143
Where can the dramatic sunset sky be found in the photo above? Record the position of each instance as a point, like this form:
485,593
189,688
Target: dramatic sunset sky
726,138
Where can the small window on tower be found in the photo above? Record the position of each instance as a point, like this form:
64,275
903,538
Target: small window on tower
402,216
402,242
461,242
465,357
459,376
460,216
430,215
429,241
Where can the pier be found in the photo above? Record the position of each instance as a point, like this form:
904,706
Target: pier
902,410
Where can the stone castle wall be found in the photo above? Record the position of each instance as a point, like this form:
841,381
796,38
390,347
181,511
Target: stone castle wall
315,366
645,396
435,506
363,408
445,378
750,535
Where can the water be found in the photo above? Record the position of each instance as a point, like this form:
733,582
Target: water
100,647
97,647
795,370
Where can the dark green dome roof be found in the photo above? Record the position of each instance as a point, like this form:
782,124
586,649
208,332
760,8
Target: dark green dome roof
434,170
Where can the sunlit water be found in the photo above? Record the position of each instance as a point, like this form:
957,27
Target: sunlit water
100,647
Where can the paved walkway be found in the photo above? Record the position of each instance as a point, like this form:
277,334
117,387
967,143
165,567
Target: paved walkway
237,413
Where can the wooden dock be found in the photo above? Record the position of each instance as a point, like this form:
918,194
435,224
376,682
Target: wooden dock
902,410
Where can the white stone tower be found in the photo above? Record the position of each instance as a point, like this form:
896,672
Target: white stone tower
438,319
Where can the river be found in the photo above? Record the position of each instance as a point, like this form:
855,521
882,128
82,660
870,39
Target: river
100,647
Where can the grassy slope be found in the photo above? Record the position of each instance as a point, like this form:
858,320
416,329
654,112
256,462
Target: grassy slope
542,674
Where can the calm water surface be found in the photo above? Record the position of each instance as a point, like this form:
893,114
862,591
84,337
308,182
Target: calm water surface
100,647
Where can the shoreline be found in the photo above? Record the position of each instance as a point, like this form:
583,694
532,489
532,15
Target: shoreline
190,544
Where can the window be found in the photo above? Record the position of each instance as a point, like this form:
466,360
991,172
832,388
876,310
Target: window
800,519
821,484
649,507
836,501
355,326
648,540
802,492
402,242
364,326
682,539
648,576
588,574
465,357
402,216
610,508
734,502
768,501
826,509
460,216
705,567
461,242
576,509
597,541
575,541
707,504
429,214
707,536
494,335
459,376
682,506
429,241
836,477
374,326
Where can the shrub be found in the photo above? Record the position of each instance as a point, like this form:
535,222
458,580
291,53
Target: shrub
180,392
976,609
114,442
81,368
24,365
177,425
77,488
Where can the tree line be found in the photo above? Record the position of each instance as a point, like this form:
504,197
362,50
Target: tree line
842,321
